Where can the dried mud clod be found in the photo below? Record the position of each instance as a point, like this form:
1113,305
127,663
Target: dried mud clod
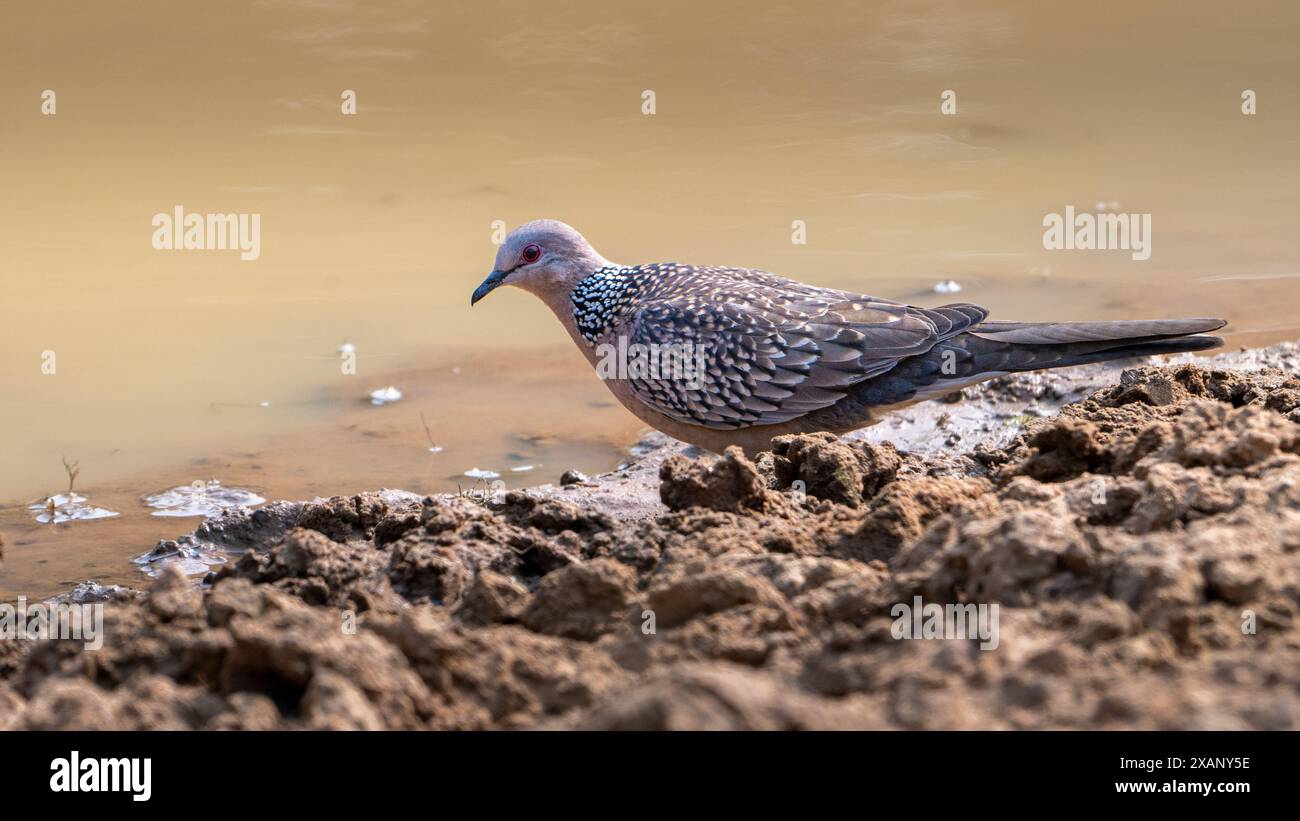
729,483
1143,548
834,469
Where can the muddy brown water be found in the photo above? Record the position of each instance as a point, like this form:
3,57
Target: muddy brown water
376,227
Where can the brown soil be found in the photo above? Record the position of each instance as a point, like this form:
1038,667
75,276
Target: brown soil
1143,546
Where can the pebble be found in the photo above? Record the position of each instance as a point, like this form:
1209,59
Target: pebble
573,477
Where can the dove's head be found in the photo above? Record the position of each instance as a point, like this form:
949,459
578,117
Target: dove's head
545,257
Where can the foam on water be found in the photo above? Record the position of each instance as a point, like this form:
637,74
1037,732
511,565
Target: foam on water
201,499
68,507
194,557
385,396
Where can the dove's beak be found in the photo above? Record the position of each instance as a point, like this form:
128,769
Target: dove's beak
489,285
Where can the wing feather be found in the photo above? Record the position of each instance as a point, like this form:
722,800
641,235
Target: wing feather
774,349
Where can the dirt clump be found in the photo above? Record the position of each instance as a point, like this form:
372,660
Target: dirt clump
831,468
729,483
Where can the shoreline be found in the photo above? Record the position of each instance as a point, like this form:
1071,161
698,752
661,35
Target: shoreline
348,444
987,415
345,443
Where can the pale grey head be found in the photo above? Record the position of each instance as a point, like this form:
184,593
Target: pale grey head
543,257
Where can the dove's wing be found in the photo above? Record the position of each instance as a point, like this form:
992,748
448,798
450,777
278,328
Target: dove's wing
760,349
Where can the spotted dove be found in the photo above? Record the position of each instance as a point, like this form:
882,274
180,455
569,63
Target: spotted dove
779,356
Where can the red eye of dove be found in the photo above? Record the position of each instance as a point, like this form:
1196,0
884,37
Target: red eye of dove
531,254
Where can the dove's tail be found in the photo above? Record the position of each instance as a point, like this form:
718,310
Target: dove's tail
998,348
1030,346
